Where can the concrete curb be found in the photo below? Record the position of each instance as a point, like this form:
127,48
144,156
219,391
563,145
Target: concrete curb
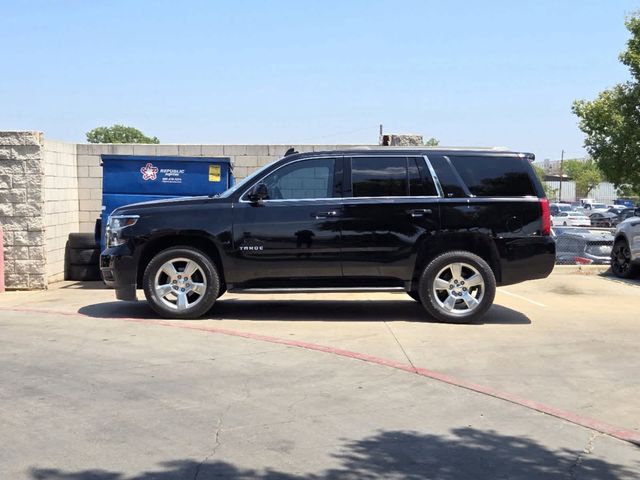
582,269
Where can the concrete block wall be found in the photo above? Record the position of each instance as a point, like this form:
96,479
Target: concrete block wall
22,209
245,158
60,203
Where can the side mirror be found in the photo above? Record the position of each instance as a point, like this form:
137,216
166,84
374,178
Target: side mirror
259,193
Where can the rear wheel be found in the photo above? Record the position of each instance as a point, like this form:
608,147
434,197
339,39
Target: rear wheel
621,265
181,282
457,287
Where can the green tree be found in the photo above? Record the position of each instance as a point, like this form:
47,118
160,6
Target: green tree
548,191
119,134
585,173
611,122
432,142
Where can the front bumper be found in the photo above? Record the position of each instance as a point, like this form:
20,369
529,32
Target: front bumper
118,268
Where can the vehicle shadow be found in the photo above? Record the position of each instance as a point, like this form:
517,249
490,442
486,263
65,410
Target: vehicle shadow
464,453
304,311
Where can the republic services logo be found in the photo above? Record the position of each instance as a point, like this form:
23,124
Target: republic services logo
149,172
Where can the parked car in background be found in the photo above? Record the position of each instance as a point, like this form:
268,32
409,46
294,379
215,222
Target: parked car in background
580,246
556,208
571,219
617,209
603,219
596,207
626,213
625,255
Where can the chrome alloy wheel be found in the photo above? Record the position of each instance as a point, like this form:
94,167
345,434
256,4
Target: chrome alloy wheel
180,284
458,289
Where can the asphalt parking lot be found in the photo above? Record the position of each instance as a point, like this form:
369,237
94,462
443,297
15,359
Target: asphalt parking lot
321,386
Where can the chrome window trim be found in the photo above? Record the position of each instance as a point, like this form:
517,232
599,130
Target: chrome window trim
433,176
436,180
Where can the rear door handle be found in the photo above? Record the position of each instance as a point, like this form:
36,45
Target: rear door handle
419,212
329,214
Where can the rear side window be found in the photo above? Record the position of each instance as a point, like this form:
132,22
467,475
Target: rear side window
379,176
390,177
449,180
495,176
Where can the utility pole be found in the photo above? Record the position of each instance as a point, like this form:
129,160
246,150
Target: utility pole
561,173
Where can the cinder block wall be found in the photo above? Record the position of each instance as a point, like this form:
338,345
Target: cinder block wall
60,203
245,158
22,208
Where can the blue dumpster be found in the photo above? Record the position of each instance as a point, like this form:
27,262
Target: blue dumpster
130,179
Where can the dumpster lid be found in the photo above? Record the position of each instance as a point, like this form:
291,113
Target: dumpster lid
163,158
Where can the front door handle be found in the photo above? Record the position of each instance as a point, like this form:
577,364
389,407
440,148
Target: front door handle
329,214
419,212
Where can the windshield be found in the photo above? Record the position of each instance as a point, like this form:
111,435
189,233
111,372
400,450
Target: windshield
598,205
244,181
564,208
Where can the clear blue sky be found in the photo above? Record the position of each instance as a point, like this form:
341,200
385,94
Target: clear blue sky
466,72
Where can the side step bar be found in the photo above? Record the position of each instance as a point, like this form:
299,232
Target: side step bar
318,290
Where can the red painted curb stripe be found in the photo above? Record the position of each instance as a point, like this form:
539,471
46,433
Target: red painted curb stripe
572,417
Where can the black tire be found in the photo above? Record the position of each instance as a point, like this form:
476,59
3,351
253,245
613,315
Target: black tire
621,265
83,256
82,240
415,295
431,301
207,269
82,273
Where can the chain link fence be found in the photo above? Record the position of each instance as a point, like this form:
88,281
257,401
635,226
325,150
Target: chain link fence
583,245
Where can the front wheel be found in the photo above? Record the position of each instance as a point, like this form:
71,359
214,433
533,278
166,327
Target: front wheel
181,282
457,287
621,265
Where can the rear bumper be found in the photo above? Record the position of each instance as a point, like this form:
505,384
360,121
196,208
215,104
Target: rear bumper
118,268
526,259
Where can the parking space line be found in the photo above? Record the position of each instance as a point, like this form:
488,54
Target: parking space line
572,417
511,294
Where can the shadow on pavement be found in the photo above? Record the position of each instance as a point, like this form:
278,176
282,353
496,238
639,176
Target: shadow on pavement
465,453
82,285
304,311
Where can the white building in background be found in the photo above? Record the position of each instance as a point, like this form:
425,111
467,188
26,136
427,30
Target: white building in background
603,193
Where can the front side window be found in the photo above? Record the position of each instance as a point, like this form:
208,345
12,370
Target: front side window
305,179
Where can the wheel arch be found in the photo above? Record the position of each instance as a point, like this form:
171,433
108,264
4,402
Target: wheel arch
477,243
195,239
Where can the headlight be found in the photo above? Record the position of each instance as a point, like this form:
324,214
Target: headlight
115,225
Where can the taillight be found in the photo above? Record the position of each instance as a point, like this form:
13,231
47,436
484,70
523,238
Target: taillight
546,216
583,261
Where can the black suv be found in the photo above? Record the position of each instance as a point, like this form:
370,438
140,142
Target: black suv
444,225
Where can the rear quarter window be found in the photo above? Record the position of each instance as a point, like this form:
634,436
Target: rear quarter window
495,176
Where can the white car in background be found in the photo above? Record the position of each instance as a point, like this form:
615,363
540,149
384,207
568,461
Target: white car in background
570,219
596,207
